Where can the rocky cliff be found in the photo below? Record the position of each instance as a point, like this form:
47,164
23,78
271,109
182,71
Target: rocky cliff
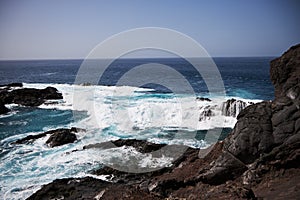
266,138
259,159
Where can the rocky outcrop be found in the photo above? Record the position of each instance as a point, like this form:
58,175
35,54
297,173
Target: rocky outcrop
266,137
33,97
28,96
140,145
57,137
233,107
285,73
61,137
89,188
206,113
203,99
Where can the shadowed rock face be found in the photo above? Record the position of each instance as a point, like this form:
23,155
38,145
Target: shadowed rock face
264,128
285,73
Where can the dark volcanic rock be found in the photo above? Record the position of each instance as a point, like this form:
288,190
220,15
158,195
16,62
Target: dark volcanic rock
265,127
58,137
88,188
12,85
29,96
61,137
206,113
140,145
203,99
34,97
232,107
285,73
3,109
252,134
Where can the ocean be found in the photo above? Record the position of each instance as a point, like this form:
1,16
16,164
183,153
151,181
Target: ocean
151,113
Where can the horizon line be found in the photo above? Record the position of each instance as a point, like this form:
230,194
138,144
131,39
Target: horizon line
41,59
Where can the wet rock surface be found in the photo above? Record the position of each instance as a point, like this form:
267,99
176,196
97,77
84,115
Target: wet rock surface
232,107
258,160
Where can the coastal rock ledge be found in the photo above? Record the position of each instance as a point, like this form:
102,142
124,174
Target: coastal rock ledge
14,93
259,159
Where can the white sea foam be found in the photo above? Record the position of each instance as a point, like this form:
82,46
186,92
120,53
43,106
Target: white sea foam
130,109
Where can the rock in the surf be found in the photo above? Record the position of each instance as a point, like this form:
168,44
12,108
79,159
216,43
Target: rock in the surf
3,109
29,96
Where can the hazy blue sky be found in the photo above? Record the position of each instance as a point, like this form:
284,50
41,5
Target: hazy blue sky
72,28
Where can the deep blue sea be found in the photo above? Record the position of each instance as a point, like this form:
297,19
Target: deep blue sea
110,112
244,77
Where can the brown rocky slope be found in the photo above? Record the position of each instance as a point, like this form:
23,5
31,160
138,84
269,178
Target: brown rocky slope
259,159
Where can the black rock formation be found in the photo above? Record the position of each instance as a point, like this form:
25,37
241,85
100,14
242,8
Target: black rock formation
57,137
233,107
28,96
264,128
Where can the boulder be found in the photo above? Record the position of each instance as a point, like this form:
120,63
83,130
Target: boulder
61,137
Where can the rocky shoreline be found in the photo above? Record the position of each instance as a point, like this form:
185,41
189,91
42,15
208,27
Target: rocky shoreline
14,93
259,159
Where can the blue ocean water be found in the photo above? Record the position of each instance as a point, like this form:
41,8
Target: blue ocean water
244,77
24,168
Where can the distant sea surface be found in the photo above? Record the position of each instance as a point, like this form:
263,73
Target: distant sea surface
244,77
150,113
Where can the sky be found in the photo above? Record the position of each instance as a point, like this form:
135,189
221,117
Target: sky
65,29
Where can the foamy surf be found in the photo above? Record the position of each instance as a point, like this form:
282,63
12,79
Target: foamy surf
112,112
